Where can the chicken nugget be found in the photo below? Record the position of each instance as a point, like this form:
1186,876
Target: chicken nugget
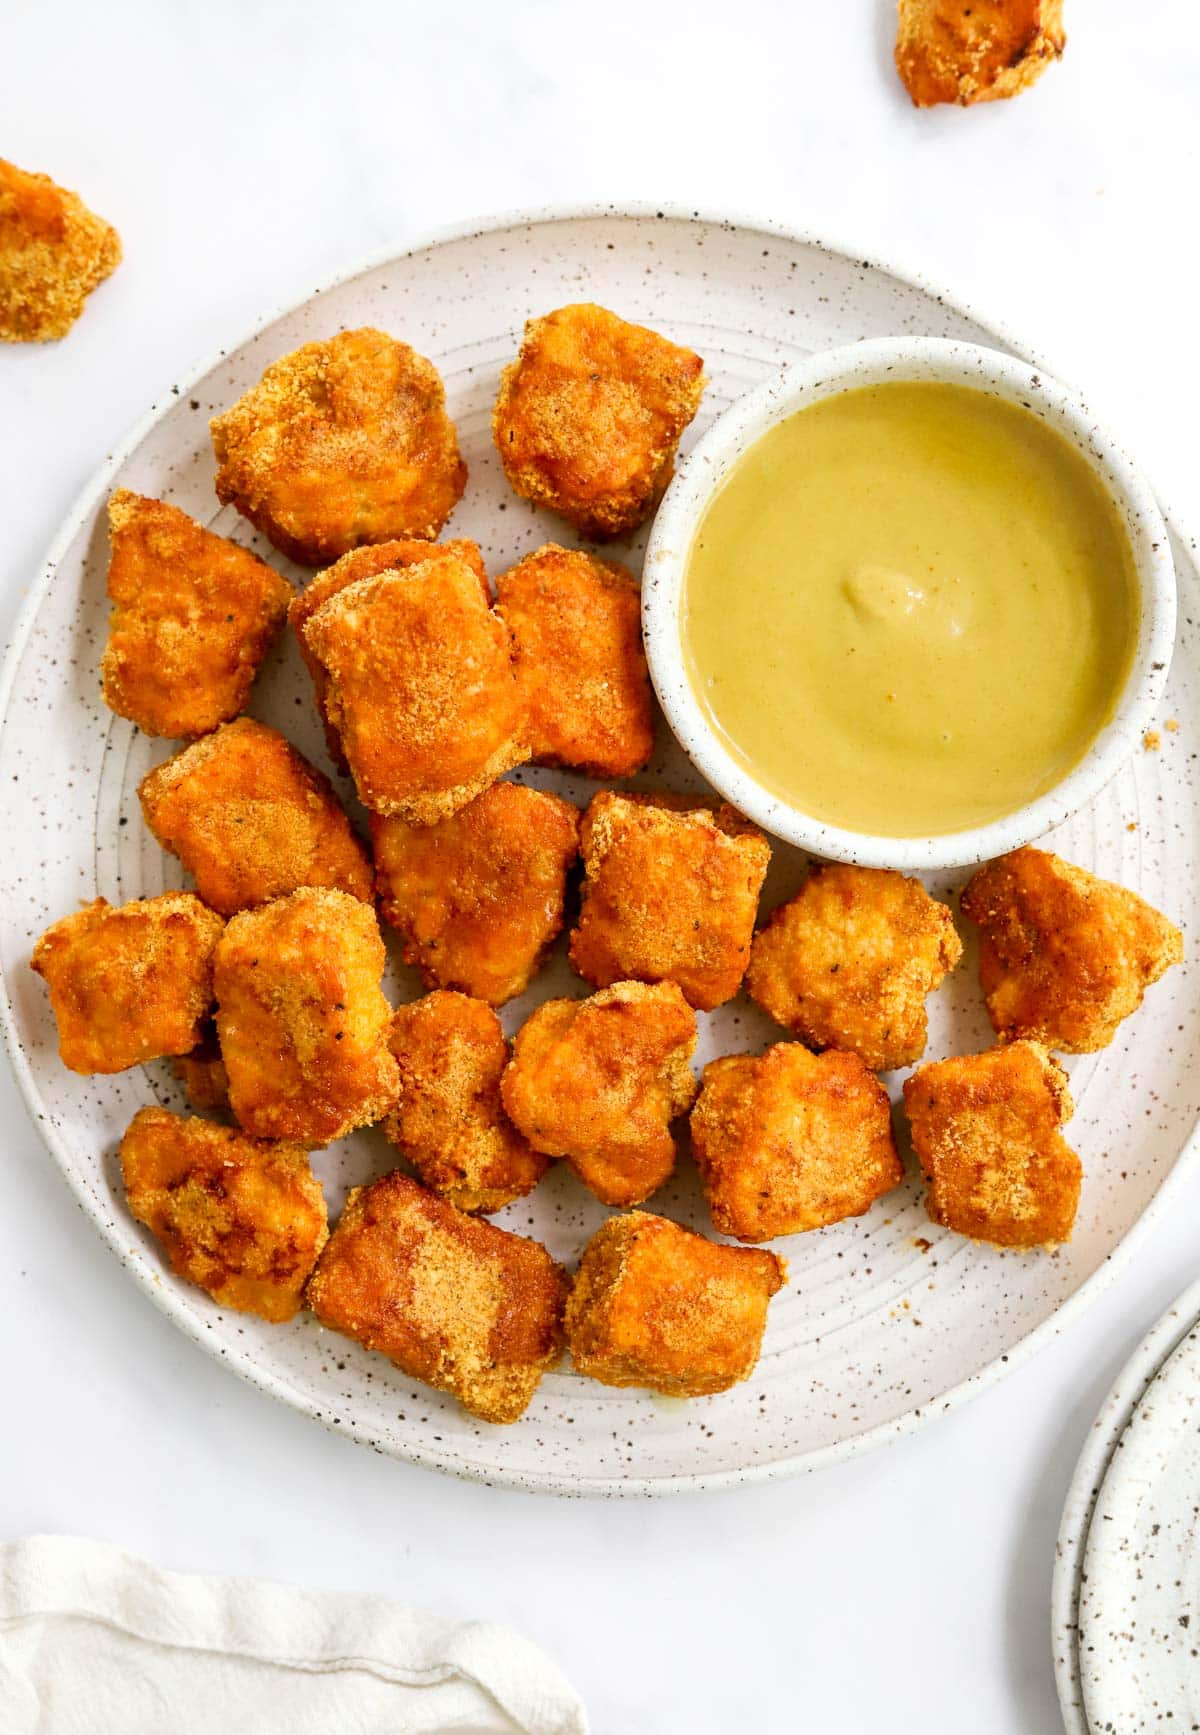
576,624
419,687
599,1082
252,820
129,984
659,1306
202,1072
448,1119
789,1141
301,1018
986,1128
244,1218
453,1301
342,442
478,898
590,414
1064,956
53,253
848,962
948,52
193,616
670,894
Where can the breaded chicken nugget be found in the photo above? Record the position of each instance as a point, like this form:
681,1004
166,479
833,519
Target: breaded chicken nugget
576,624
252,820
419,687
1064,956
670,894
986,1128
366,563
848,962
129,984
453,1301
244,1218
656,1305
202,1073
448,1119
950,52
599,1082
789,1141
302,1022
53,253
193,616
589,416
478,897
344,441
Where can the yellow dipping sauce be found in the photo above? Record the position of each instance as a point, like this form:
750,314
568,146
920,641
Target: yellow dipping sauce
910,609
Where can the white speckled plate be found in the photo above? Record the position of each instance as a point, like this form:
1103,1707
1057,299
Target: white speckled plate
887,1321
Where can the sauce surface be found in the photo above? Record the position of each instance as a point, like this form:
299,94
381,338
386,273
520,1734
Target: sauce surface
910,609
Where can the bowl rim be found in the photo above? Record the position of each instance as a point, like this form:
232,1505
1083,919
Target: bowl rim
828,373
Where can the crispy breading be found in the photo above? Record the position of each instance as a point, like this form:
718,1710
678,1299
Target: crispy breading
660,1306
788,1141
950,52
848,962
452,1300
302,1021
244,1218
252,820
576,624
589,416
670,894
419,687
599,1082
342,442
53,253
986,1128
366,563
478,898
448,1119
1064,956
193,616
202,1073
129,984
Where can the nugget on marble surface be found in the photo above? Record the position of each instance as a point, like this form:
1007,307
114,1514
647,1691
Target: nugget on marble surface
950,52
53,253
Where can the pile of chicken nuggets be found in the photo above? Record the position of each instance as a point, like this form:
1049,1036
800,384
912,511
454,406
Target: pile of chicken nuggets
265,982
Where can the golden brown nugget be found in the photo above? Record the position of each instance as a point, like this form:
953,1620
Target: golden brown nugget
448,1119
53,253
202,1073
659,1306
576,624
366,563
419,687
1064,956
590,414
478,898
252,820
950,52
129,984
849,961
342,442
986,1128
789,1141
244,1218
453,1301
302,1022
599,1082
670,894
193,616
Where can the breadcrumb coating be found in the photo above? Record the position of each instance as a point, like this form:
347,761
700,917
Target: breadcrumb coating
53,253
950,52
453,1301
202,1073
243,1218
342,442
193,616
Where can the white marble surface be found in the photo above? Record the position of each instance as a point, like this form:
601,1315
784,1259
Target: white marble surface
247,150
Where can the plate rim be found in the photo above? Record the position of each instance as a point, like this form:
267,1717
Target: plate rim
179,1311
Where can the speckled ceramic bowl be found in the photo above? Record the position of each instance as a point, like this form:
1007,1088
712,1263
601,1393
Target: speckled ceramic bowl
878,361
